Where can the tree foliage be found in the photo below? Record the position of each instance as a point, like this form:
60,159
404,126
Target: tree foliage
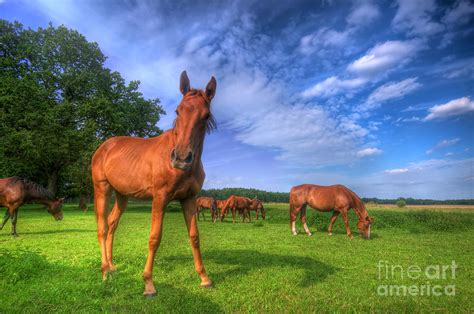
58,102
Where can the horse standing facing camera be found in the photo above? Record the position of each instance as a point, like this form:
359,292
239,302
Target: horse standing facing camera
163,168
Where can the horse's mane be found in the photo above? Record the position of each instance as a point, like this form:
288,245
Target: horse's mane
34,190
359,206
211,124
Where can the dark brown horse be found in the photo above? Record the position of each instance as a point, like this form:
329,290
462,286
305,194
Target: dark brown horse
235,204
203,203
163,168
16,191
335,198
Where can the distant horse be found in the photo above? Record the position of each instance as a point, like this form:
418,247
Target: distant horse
237,203
220,206
204,203
257,206
335,198
16,191
163,168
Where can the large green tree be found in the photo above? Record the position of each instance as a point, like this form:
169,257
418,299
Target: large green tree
58,102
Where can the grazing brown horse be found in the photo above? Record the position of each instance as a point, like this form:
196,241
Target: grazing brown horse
257,206
327,198
16,191
237,203
206,202
163,168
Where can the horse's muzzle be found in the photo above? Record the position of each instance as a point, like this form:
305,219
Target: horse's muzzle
181,163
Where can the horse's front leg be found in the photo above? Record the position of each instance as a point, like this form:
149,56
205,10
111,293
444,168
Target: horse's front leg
14,220
331,222
5,219
157,214
188,211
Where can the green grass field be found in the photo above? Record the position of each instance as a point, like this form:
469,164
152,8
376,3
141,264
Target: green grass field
256,267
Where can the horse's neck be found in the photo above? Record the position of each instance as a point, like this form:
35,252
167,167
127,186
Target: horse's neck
360,208
38,200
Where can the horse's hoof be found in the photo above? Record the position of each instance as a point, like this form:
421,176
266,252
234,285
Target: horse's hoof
330,234
351,237
14,235
206,285
295,233
112,268
310,234
150,294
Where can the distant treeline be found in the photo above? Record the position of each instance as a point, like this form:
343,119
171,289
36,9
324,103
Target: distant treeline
283,197
278,197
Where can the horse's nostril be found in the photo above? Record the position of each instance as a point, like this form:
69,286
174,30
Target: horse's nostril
189,158
173,154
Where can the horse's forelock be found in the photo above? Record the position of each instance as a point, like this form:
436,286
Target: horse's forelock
211,124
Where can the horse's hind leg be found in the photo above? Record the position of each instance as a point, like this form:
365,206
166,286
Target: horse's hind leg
5,219
102,192
303,220
294,210
346,221
113,221
331,222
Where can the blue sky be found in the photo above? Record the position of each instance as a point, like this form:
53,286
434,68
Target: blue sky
376,95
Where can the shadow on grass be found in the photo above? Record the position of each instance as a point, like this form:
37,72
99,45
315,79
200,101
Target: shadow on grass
55,231
64,288
244,261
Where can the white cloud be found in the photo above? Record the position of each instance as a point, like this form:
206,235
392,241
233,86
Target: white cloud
363,13
396,171
390,91
332,86
452,108
443,144
416,18
459,14
385,57
369,152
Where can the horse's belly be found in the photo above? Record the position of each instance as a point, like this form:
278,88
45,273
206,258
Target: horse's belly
131,183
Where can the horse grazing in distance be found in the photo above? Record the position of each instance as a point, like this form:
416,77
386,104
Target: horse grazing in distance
163,168
337,198
221,208
16,191
257,206
237,203
206,202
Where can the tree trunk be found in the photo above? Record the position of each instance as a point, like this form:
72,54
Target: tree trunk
82,202
53,182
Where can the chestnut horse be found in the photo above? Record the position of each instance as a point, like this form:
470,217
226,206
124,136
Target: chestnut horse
237,203
16,191
327,198
257,206
163,168
206,202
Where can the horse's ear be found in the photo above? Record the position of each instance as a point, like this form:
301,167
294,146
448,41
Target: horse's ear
211,88
61,199
184,85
